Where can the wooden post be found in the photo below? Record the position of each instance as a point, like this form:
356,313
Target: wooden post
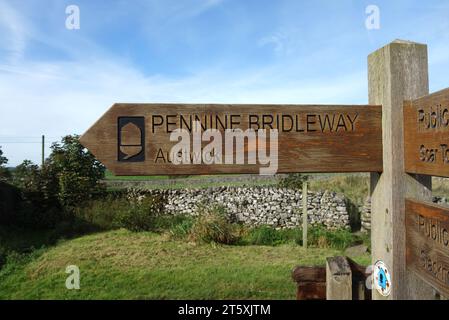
304,214
396,72
338,279
43,150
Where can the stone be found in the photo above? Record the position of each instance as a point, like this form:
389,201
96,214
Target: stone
261,205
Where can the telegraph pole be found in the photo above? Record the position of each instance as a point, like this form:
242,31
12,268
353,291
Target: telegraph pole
43,150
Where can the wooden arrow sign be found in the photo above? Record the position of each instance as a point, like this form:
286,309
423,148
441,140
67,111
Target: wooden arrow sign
427,230
135,139
426,134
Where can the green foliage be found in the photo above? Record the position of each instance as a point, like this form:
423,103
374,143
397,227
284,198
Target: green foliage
135,214
268,236
212,226
27,176
138,216
69,178
4,173
77,171
178,227
293,181
102,213
37,207
15,261
318,237
336,239
3,160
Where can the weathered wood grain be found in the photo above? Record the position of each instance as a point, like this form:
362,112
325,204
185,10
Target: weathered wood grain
306,141
309,274
426,134
338,279
396,72
427,229
310,282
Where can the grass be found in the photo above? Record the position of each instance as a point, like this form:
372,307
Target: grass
186,181
354,186
110,176
124,265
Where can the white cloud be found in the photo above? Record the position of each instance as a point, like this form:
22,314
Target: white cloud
63,98
66,96
13,30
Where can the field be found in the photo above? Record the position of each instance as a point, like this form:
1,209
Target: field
124,265
120,264
354,186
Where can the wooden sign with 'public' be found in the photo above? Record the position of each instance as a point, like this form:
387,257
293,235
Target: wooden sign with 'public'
427,241
426,134
137,139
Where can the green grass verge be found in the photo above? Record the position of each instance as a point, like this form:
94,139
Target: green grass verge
125,265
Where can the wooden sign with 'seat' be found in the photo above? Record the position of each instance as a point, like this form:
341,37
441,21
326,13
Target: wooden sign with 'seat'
134,139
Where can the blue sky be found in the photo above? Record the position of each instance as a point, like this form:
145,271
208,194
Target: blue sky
56,81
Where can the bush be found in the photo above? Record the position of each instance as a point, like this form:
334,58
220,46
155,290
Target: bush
137,216
293,181
33,206
76,170
135,212
26,176
212,226
49,195
102,213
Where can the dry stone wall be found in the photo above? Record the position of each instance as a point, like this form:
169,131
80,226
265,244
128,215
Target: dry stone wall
366,211
277,207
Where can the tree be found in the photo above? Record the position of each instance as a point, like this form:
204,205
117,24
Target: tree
72,172
4,172
26,176
3,160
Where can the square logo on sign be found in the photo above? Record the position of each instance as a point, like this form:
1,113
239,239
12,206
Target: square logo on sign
131,139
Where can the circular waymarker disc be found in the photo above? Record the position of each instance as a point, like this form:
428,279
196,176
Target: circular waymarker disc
382,278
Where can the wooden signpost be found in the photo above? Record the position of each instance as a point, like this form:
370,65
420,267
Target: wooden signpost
426,134
398,142
134,139
426,151
427,228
